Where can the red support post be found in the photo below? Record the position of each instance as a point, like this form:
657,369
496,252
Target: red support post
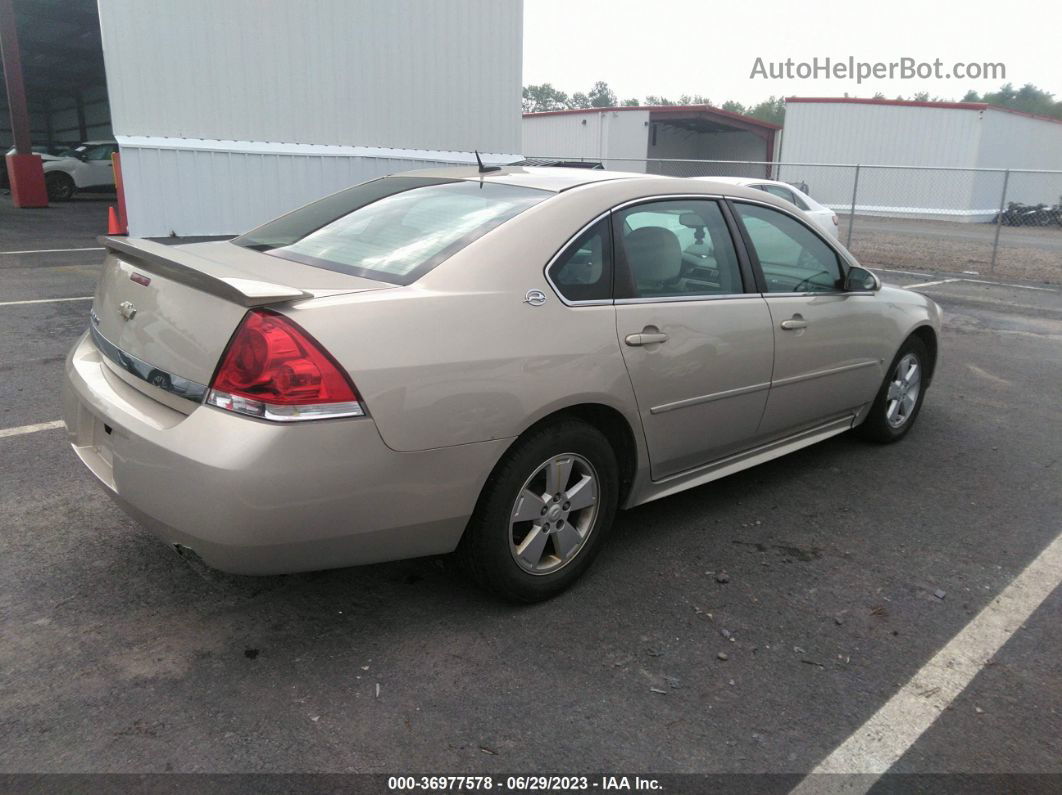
119,186
24,169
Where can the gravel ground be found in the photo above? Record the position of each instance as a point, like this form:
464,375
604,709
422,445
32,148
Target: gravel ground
1025,253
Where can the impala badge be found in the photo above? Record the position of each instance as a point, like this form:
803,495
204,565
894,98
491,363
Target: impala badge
127,309
535,298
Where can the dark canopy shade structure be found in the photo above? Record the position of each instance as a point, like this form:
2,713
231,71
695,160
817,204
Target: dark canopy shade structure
54,92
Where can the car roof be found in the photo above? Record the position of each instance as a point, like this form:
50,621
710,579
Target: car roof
741,180
540,177
752,181
558,180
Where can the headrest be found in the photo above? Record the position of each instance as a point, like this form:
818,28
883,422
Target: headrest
654,253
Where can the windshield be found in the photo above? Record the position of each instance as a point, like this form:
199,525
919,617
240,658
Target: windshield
394,229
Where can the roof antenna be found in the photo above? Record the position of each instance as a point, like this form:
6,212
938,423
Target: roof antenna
482,168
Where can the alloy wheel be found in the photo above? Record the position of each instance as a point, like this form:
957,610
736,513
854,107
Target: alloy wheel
904,388
554,514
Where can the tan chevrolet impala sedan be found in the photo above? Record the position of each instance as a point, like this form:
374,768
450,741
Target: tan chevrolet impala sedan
488,363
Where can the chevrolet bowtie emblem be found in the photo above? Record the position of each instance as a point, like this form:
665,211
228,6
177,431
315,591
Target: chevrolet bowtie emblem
127,309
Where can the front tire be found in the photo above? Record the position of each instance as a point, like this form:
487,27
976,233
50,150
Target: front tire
544,513
899,400
60,186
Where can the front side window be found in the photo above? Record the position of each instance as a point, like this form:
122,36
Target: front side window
394,229
583,271
675,248
792,257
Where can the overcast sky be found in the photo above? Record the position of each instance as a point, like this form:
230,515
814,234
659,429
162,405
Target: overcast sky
673,47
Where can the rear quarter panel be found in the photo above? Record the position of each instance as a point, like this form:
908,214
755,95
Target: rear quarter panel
460,357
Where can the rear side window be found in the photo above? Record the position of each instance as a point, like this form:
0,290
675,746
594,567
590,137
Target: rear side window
675,248
583,271
394,229
783,193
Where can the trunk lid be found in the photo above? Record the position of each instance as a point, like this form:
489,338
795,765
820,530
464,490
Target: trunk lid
162,315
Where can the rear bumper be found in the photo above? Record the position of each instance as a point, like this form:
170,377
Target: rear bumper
254,497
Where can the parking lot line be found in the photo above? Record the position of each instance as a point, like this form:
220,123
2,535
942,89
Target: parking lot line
929,284
908,273
1016,286
46,300
52,250
21,429
880,742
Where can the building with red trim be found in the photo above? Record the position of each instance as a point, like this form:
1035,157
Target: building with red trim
947,147
630,138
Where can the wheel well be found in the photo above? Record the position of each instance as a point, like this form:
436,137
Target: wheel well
616,430
929,339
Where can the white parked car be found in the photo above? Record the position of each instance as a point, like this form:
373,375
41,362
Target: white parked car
87,167
46,153
823,217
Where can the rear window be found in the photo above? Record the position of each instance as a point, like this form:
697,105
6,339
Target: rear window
394,229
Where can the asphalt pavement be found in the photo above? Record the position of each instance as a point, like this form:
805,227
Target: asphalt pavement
826,579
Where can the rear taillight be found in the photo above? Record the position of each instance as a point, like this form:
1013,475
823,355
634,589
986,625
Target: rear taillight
274,370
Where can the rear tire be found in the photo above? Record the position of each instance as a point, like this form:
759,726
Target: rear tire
899,400
543,514
60,186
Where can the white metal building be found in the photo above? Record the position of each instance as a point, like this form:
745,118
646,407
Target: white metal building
615,136
230,113
962,136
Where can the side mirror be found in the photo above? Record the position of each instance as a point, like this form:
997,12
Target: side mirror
860,280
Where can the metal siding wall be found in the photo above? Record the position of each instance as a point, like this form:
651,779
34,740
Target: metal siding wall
217,192
1019,142
884,135
396,73
619,134
1013,141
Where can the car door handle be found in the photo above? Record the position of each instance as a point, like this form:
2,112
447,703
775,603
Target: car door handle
645,338
794,323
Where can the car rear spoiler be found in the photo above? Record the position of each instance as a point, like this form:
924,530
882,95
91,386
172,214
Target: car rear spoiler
199,272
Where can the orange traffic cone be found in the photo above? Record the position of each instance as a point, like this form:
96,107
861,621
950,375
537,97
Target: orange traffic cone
114,226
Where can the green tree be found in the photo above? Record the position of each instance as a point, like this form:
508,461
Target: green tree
579,100
631,103
601,96
771,110
544,97
1028,99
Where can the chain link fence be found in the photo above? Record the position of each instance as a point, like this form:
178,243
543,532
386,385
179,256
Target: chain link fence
998,222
